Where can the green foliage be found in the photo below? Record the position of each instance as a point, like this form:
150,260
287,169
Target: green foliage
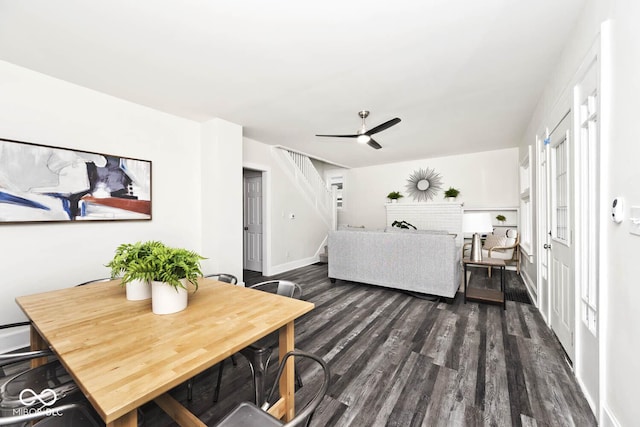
127,254
154,261
501,218
394,195
452,192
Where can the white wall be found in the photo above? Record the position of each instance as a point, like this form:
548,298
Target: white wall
40,109
221,180
485,179
620,177
293,242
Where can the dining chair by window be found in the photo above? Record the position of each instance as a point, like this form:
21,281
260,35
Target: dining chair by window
248,414
259,353
227,278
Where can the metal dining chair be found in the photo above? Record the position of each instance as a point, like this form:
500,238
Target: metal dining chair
259,353
248,414
50,388
227,278
107,279
68,415
47,384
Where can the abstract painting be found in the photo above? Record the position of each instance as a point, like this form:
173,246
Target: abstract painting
40,183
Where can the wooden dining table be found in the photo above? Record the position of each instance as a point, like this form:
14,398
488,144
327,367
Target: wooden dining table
123,356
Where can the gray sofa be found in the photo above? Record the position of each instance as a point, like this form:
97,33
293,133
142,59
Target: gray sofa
422,261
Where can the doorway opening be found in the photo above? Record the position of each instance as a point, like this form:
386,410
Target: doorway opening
253,221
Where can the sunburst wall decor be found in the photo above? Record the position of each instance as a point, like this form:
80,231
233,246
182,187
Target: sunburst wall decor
424,184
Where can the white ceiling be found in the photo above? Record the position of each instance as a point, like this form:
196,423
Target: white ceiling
463,75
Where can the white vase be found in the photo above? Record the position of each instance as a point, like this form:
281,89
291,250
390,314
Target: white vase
165,299
138,290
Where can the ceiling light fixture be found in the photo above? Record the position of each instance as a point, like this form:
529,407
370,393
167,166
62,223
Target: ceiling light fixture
363,139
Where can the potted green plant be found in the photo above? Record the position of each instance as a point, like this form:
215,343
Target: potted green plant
451,193
126,255
169,270
394,196
501,218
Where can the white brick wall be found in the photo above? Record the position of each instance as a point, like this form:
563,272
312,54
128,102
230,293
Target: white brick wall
428,216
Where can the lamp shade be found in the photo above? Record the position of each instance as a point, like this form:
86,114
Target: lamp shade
476,222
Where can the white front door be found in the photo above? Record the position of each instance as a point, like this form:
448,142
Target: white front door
561,277
253,221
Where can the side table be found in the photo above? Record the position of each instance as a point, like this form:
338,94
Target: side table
485,295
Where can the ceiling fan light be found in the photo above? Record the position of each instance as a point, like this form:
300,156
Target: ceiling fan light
363,139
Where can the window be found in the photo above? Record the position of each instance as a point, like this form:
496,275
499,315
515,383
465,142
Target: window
335,180
525,203
589,205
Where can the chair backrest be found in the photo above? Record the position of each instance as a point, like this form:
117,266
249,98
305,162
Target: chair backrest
94,281
71,414
224,277
11,358
281,287
303,416
42,381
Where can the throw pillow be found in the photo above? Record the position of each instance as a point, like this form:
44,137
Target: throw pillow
492,240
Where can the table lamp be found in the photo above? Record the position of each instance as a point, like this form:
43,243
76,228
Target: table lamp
476,223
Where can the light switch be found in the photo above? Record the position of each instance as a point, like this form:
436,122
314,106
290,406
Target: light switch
634,220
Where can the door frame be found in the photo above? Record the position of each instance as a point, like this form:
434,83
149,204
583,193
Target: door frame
265,170
542,225
587,232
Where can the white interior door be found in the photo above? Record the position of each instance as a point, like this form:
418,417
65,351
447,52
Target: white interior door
561,270
253,221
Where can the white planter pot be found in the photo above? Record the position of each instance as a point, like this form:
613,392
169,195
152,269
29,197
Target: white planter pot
138,290
166,299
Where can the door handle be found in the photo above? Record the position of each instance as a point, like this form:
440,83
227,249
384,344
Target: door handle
547,246
246,228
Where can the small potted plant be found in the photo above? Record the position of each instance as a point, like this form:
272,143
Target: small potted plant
128,254
501,218
169,270
451,193
394,196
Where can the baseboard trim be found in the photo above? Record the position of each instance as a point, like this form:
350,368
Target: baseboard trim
283,268
607,418
585,392
528,284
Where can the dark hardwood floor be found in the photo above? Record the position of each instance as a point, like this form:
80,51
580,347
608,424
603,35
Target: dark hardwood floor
398,360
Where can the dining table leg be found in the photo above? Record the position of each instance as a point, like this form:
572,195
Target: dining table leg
130,419
37,343
284,408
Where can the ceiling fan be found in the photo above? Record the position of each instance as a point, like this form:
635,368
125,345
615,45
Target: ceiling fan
363,135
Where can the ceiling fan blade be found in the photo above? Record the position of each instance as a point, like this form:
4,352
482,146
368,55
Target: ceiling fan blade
374,144
383,126
340,136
